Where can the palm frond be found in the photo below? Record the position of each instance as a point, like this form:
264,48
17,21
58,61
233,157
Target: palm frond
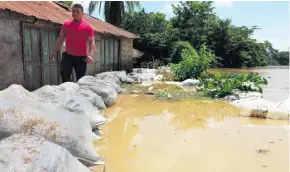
107,10
93,5
114,10
132,5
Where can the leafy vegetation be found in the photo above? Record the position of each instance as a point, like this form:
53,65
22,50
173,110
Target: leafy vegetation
178,48
162,93
154,30
192,63
195,23
283,58
223,84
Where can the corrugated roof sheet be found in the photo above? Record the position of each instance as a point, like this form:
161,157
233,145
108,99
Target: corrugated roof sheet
52,11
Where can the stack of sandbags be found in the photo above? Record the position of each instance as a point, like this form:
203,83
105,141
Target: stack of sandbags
56,124
46,129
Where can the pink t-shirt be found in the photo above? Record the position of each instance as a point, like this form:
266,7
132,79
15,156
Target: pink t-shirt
76,36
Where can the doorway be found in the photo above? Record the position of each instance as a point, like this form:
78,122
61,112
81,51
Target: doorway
38,43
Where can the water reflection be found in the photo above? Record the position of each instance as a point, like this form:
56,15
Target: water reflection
196,113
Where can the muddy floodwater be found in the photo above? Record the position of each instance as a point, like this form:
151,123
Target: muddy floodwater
144,135
202,135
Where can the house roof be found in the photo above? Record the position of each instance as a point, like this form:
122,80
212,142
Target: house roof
59,13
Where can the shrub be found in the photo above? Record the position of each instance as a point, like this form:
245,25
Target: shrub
162,94
192,63
177,49
223,84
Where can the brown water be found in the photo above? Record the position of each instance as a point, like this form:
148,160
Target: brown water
144,135
278,80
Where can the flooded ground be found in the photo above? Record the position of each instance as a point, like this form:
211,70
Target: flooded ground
277,76
144,135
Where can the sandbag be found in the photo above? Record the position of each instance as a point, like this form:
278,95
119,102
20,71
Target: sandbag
69,86
190,82
58,125
15,90
95,99
71,100
28,153
110,78
261,108
65,95
105,90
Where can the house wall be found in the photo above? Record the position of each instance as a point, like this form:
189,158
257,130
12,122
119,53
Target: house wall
126,54
11,63
11,56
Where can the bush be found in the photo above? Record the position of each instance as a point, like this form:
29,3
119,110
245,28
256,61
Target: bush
177,49
192,63
223,84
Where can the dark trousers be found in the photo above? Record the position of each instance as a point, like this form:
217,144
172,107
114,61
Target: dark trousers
68,62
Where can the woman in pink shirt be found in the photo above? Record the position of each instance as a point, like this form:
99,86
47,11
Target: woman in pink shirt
76,34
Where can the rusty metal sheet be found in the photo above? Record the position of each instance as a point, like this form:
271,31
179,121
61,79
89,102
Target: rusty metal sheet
109,50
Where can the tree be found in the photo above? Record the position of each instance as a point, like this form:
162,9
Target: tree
198,24
194,21
283,58
153,28
177,49
272,53
114,10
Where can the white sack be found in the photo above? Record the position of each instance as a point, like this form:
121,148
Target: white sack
28,153
67,129
105,90
259,107
71,100
19,92
95,99
110,78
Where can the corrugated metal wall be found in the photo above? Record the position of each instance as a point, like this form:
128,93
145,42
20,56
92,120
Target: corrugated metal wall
110,54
